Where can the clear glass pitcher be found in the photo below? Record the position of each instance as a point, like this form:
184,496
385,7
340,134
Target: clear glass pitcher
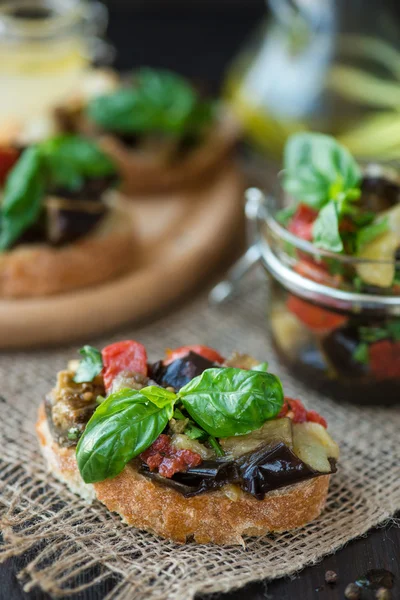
45,46
325,65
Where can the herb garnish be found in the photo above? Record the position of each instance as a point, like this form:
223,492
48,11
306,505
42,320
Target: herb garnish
323,174
22,199
223,402
71,159
157,101
90,365
64,161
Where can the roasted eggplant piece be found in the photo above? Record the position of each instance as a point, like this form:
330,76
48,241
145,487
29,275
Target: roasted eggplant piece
68,220
70,405
268,467
180,371
339,347
380,189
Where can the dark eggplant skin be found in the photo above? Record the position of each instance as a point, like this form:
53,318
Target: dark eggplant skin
69,220
339,347
259,472
180,371
379,193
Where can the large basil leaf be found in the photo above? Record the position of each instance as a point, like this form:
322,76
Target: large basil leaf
227,402
90,365
122,427
22,199
157,101
319,169
71,158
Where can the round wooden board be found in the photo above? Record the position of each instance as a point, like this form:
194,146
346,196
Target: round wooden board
180,237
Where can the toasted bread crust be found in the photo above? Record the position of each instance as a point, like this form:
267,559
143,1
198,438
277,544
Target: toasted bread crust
32,270
147,173
210,517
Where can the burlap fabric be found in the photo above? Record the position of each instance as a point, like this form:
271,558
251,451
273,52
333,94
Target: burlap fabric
72,545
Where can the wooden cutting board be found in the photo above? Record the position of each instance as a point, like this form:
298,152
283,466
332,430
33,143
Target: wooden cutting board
180,236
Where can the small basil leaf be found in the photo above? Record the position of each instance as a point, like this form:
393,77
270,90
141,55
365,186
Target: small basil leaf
23,196
394,330
122,427
319,169
70,159
370,232
195,433
227,402
373,334
159,396
326,229
90,365
361,354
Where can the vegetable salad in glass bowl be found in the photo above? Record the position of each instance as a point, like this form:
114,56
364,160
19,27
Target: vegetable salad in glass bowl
331,241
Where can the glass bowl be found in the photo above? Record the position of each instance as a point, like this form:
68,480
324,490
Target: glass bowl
334,332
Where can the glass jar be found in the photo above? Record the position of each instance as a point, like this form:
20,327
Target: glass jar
337,338
331,66
45,47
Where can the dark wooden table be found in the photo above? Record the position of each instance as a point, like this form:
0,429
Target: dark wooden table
198,38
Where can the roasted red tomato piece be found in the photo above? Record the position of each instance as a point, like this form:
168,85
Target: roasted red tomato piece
8,156
293,409
123,356
167,459
314,317
384,359
317,273
302,222
297,412
315,417
204,351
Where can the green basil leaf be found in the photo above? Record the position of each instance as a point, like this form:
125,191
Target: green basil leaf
373,334
319,169
326,229
195,433
157,101
227,402
261,367
361,354
122,427
90,365
370,232
159,396
394,330
23,195
178,414
70,159
390,330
